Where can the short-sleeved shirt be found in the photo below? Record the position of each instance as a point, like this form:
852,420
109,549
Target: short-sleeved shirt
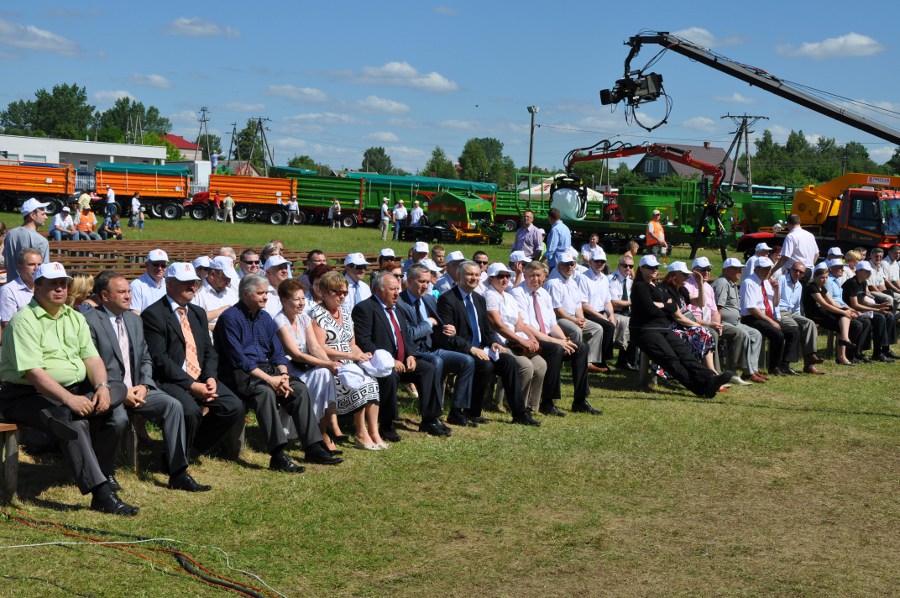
800,245
509,312
20,238
564,293
35,339
876,279
790,295
559,239
527,240
209,300
751,292
14,296
728,300
854,288
833,286
594,289
890,269
525,298
811,307
145,292
400,213
709,308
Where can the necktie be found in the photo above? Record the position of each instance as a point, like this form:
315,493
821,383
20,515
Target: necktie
421,317
356,297
537,313
126,353
473,322
624,289
191,365
768,305
401,350
418,310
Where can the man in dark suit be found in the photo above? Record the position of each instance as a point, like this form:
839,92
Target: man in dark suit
425,322
118,334
187,370
465,309
377,325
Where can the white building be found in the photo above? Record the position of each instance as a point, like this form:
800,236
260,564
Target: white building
83,155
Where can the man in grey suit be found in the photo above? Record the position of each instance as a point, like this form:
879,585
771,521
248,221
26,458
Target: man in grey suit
118,334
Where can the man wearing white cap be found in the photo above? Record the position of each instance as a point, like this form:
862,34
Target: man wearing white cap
219,291
385,224
620,282
448,280
185,364
34,215
597,305
517,261
201,266
386,255
150,287
879,287
758,310
399,217
355,266
420,252
762,250
415,215
884,326
799,246
744,343
567,303
790,301
54,380
110,201
277,271
62,227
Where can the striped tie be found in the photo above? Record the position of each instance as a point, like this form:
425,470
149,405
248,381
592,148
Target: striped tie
191,365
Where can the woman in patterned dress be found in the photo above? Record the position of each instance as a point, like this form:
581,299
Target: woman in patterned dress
684,324
333,327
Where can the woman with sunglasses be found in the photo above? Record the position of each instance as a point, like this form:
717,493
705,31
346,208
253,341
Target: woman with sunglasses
827,313
685,324
650,330
333,327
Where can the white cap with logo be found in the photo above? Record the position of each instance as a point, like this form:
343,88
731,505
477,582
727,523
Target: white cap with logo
497,268
157,255
274,261
223,263
31,205
732,262
701,262
355,259
51,271
420,247
518,256
182,271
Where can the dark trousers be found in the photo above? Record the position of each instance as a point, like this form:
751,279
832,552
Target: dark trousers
884,331
168,414
782,341
92,454
609,332
554,355
205,432
673,355
504,368
446,362
423,378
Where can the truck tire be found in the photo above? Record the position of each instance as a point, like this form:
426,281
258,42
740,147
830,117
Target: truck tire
510,225
241,212
172,211
156,209
278,217
348,221
302,218
54,206
199,212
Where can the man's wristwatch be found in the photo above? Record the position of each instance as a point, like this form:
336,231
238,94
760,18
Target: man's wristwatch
101,385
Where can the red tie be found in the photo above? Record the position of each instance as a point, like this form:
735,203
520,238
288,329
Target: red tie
401,350
769,313
537,313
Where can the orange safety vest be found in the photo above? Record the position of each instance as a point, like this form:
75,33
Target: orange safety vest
85,224
658,233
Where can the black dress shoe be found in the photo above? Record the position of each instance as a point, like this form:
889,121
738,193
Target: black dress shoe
319,455
432,429
717,382
390,435
58,427
477,419
458,418
443,426
112,505
188,484
525,420
882,358
113,483
631,367
282,462
890,354
342,439
551,409
336,452
791,371
585,407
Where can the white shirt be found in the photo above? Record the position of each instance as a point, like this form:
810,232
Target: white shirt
364,293
790,295
890,269
208,299
135,205
145,292
415,215
800,245
444,284
400,213
616,280
385,212
14,295
564,293
110,196
525,298
751,295
62,220
273,303
509,312
595,289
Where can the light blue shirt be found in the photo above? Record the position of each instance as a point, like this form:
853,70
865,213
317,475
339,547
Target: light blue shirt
790,294
834,290
559,239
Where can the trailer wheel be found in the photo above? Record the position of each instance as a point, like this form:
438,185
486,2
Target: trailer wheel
278,217
241,213
348,221
301,218
510,225
54,206
199,212
172,211
156,209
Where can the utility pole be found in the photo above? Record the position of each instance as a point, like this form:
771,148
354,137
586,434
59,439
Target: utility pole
531,110
203,128
744,125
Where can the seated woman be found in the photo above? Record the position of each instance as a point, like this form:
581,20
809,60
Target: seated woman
651,331
510,331
692,331
825,311
308,360
333,327
313,296
81,292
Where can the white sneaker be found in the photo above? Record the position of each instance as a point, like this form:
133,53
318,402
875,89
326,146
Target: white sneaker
740,381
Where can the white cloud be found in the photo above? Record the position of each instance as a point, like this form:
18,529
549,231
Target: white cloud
408,123
29,37
197,27
157,81
298,94
405,151
383,137
460,125
242,107
400,74
111,96
881,154
325,118
700,123
735,98
704,37
183,118
850,45
376,104
445,10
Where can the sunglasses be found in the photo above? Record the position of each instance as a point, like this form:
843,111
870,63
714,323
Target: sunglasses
250,262
158,264
651,267
358,267
481,263
567,264
338,291
796,271
628,266
501,276
704,269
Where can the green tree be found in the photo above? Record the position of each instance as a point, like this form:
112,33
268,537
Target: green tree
62,112
307,162
17,118
213,142
473,164
248,146
439,165
127,120
624,176
173,154
375,159
892,166
500,169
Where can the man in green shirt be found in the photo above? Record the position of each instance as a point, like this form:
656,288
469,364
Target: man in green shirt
54,380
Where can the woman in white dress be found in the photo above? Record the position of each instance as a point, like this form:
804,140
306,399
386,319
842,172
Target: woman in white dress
509,330
308,360
333,328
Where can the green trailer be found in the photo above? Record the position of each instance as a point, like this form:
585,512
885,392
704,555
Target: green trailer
454,217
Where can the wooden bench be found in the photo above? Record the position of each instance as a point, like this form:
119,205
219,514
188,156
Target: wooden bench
9,458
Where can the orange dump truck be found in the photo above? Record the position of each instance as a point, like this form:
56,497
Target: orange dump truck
255,198
46,181
163,188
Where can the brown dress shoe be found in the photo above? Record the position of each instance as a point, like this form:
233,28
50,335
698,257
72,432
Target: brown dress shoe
811,369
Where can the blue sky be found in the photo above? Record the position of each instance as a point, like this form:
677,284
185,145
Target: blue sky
338,77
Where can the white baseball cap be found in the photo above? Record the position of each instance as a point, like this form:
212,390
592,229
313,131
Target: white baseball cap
762,247
66,209
655,212
821,266
355,259
701,262
763,262
497,268
864,265
223,263
518,256
182,271
157,255
567,255
31,205
50,271
679,267
429,263
455,256
835,251
598,255
835,262
201,262
387,252
420,247
732,262
274,261
649,260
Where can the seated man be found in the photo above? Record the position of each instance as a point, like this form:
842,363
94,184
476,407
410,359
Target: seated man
744,343
597,302
118,334
620,282
790,290
425,324
18,291
87,225
185,365
219,291
567,305
466,310
379,325
246,338
111,229
758,312
54,380
62,228
884,326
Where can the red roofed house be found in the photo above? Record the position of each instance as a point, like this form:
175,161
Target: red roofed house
189,151
655,167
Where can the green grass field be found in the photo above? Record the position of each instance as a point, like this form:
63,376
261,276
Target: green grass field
788,488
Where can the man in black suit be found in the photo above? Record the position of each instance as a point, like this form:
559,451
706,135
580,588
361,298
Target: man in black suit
377,325
118,334
187,370
465,309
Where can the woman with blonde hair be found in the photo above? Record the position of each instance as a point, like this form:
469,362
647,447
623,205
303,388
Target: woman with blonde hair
81,290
